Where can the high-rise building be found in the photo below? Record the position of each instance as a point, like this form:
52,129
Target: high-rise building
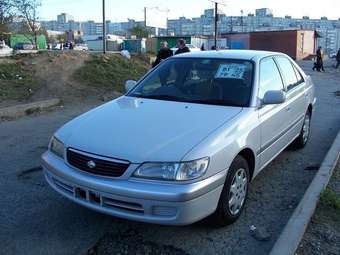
64,18
263,12
204,25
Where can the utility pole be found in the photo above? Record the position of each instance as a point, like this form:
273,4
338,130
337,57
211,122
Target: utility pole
104,29
216,2
216,20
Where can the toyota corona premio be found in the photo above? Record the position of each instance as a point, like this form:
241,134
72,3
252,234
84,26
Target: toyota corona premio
186,140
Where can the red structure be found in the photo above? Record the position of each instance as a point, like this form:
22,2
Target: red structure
298,44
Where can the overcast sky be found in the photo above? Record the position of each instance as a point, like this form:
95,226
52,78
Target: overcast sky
117,10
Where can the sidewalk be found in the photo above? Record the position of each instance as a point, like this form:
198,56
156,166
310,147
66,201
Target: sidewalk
323,233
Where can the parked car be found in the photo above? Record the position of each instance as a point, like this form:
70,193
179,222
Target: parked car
24,46
192,48
5,50
81,47
186,140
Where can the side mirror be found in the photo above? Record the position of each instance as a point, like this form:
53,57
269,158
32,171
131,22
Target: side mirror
274,97
130,84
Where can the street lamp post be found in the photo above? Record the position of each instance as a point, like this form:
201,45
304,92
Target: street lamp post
104,29
242,20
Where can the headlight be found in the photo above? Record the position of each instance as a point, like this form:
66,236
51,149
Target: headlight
173,171
56,147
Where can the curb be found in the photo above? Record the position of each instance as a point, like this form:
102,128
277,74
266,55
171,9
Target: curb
293,232
26,109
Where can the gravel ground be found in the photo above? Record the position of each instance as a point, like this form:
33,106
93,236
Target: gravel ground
323,234
36,220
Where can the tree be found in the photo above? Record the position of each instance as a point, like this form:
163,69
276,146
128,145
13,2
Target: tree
139,32
6,14
27,11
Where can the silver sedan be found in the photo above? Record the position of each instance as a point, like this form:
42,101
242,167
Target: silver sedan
186,140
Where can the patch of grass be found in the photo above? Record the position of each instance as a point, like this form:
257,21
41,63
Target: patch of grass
15,83
110,71
330,200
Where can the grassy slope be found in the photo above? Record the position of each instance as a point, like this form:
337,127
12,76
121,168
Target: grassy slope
111,71
15,82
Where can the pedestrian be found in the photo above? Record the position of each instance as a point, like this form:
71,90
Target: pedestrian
163,53
315,67
319,59
202,47
338,59
182,48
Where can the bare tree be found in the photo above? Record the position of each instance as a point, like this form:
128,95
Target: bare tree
27,11
6,14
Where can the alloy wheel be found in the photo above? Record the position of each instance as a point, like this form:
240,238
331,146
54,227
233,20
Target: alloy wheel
238,191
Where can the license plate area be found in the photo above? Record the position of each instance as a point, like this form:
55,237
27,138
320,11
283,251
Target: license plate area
94,197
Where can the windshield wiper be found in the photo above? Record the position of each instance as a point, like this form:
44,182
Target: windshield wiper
214,102
161,97
195,101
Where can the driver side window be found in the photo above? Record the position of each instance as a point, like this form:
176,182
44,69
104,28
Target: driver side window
270,78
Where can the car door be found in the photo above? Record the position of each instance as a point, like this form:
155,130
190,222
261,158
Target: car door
296,99
272,117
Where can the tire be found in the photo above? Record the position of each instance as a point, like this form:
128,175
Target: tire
228,212
301,141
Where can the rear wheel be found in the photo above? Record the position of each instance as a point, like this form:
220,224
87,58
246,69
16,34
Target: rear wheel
234,193
303,138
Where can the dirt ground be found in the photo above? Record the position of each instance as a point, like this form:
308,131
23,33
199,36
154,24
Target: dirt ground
323,234
51,75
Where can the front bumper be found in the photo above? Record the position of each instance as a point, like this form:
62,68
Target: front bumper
140,200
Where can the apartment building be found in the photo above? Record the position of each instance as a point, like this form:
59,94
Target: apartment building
262,20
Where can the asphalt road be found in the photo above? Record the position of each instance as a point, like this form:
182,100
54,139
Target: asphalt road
36,220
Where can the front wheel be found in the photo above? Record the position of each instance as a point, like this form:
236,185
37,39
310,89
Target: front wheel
303,137
234,193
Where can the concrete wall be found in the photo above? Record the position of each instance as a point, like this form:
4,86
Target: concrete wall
306,44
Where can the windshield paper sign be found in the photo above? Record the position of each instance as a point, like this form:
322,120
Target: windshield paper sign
231,71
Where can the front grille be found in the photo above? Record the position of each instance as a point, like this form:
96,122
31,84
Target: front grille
104,167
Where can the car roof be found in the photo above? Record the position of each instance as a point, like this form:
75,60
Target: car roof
230,54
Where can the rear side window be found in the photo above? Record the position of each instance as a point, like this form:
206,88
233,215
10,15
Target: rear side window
270,78
289,72
298,75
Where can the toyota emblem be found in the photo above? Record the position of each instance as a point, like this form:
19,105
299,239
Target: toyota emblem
91,164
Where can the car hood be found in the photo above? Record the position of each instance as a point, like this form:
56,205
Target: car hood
140,130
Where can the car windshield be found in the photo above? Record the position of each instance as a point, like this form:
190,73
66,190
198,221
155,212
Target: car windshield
196,80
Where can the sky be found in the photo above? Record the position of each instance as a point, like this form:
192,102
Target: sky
116,10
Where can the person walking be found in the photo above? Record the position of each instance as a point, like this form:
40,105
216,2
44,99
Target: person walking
163,53
319,59
338,59
182,48
202,47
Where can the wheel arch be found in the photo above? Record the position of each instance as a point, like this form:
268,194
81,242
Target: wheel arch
249,156
310,109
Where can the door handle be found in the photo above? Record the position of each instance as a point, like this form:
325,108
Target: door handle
288,109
